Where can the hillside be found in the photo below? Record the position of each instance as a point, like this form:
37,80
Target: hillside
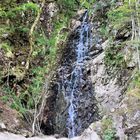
70,68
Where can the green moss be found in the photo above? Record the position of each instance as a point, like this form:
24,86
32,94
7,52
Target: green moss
68,6
109,134
136,79
108,130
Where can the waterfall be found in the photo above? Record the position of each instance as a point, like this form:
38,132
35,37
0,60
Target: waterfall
81,49
74,87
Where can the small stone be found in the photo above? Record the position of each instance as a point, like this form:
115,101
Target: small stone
112,110
75,24
22,63
81,12
105,44
2,125
41,19
5,35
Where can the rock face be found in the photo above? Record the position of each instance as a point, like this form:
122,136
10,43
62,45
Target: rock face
108,88
114,102
119,109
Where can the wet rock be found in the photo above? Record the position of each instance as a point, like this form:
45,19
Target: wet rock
77,20
96,47
94,53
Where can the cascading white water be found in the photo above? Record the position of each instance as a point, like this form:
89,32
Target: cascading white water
75,106
74,84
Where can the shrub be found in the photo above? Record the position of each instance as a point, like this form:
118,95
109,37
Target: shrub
109,134
114,57
119,16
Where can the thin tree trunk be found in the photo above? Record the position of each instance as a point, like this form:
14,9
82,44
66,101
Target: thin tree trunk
135,28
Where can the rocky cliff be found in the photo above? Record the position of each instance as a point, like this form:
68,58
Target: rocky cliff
95,88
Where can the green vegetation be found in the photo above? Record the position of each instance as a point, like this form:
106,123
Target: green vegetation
108,130
134,86
87,4
120,16
109,134
16,17
124,18
12,13
136,80
114,58
14,100
104,31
